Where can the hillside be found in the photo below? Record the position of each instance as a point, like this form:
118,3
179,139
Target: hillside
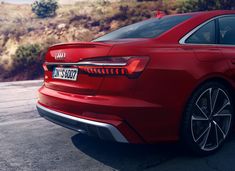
60,1
82,21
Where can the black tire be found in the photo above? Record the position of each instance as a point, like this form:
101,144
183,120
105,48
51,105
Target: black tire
205,126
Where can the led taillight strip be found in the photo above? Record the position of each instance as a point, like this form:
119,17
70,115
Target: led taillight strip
131,66
103,70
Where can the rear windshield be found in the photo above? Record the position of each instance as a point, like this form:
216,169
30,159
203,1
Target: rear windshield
150,28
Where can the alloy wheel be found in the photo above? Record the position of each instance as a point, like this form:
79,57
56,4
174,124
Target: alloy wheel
211,118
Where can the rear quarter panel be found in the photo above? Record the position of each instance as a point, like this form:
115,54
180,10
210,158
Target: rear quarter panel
173,73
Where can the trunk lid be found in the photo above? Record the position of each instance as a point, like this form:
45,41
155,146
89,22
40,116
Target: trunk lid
77,51
64,55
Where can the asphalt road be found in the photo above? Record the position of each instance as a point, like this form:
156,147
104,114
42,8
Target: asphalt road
28,142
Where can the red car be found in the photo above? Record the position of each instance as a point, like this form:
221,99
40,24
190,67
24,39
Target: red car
163,79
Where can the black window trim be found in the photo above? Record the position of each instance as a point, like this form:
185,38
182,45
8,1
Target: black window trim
217,31
182,41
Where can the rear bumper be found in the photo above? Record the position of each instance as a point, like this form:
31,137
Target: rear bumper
137,120
92,128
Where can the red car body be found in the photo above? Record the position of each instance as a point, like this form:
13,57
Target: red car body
147,108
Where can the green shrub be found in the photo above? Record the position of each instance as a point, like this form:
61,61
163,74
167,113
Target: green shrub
26,63
205,5
26,56
45,8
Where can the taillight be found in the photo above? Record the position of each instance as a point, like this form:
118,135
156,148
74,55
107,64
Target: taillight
131,66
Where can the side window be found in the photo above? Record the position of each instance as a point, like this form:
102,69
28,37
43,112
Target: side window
205,35
227,30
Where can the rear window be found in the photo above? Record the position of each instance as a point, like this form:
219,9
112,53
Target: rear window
227,30
205,35
145,29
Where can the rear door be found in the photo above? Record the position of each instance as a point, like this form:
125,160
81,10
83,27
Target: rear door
227,41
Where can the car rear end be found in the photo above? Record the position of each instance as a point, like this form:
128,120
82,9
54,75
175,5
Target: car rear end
89,91
99,88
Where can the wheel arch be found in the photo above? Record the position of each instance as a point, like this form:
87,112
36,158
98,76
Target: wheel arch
219,79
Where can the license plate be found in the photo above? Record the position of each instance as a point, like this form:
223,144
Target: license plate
65,73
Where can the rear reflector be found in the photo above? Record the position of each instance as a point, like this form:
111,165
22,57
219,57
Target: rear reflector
45,67
131,66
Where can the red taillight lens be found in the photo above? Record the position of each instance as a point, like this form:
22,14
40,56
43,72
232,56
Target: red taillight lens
131,66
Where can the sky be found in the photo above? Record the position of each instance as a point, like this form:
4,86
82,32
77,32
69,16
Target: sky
30,1
18,1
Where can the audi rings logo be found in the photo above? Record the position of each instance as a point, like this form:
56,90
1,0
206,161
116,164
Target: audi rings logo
60,56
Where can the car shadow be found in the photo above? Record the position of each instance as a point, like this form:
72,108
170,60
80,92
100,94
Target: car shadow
127,156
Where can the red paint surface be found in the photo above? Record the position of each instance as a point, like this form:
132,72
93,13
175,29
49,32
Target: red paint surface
148,108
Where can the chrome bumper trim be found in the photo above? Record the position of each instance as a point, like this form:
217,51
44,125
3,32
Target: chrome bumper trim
48,113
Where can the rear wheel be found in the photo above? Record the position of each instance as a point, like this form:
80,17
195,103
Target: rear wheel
208,118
